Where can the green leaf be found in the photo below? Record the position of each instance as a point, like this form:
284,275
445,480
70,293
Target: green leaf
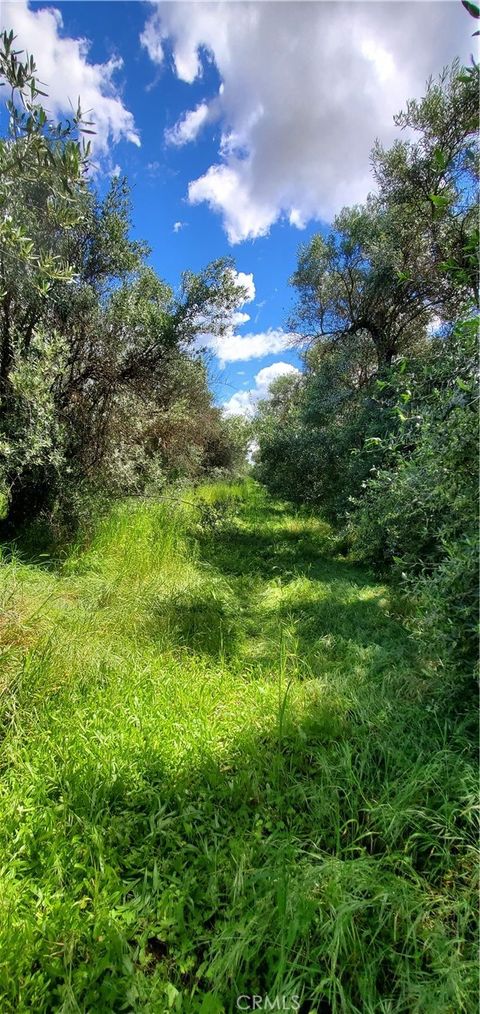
472,9
439,201
211,1005
440,159
172,995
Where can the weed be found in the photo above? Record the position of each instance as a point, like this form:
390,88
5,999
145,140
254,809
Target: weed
223,775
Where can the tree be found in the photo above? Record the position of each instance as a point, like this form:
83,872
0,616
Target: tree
42,189
381,430
99,381
381,272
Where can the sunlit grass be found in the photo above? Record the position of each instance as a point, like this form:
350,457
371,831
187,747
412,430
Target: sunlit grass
221,776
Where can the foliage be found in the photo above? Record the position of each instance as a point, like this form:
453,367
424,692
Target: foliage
419,509
228,768
380,432
225,773
380,273
98,380
312,431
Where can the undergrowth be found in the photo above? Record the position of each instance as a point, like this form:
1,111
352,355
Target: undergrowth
224,775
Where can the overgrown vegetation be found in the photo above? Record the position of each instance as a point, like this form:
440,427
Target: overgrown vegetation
380,432
234,762
225,774
99,387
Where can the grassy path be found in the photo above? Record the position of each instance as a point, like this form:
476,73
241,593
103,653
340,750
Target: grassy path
220,778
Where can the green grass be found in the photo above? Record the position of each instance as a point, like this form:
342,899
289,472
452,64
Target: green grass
223,775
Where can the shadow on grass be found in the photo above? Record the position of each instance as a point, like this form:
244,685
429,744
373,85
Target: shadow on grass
327,615
35,544
238,552
364,623
243,872
299,858
201,623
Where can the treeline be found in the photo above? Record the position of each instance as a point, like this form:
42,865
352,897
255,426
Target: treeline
380,430
101,390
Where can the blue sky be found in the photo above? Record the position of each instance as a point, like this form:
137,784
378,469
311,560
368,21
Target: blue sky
242,127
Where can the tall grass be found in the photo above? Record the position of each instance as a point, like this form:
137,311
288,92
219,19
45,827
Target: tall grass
224,774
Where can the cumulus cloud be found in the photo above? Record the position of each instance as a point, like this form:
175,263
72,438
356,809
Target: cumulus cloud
246,282
231,347
265,377
64,68
222,344
177,226
306,88
245,402
188,126
239,318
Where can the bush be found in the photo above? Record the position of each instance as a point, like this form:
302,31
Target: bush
418,514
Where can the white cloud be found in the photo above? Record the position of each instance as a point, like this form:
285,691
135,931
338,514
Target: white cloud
229,190
240,318
265,377
245,402
151,39
189,126
305,90
224,344
246,282
232,348
296,218
63,67
177,226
